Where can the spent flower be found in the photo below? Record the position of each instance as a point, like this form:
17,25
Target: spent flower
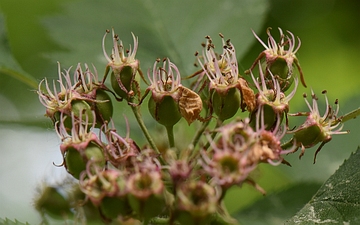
228,91
119,149
272,101
195,202
317,128
81,147
79,93
106,189
124,66
169,99
280,58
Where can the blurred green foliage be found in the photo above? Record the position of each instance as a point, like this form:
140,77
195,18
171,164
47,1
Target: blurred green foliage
34,35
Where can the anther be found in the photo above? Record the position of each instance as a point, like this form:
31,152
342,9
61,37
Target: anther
107,31
221,35
196,53
304,95
336,101
324,92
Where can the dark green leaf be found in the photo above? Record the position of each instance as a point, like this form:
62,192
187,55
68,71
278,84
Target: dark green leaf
173,29
276,208
338,199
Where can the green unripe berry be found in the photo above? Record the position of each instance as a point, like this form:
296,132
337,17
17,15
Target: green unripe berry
280,70
81,107
76,160
269,116
226,104
104,108
166,111
126,78
309,136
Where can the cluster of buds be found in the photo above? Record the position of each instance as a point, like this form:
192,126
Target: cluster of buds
126,181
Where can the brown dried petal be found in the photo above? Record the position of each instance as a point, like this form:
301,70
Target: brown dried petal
248,99
190,104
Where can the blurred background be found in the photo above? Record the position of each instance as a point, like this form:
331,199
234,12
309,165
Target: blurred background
35,35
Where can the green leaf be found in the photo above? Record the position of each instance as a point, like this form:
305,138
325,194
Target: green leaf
338,199
9,222
8,65
173,29
279,206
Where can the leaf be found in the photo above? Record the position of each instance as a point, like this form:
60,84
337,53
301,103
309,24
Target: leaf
15,83
338,199
9,222
277,207
8,65
173,29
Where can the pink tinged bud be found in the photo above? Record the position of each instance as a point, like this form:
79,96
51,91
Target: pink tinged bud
146,193
107,190
120,150
317,128
195,202
225,167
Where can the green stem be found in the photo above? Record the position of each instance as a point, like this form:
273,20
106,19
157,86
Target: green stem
170,133
218,124
197,137
145,131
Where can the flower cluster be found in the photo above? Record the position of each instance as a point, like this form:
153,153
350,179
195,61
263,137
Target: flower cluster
128,181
